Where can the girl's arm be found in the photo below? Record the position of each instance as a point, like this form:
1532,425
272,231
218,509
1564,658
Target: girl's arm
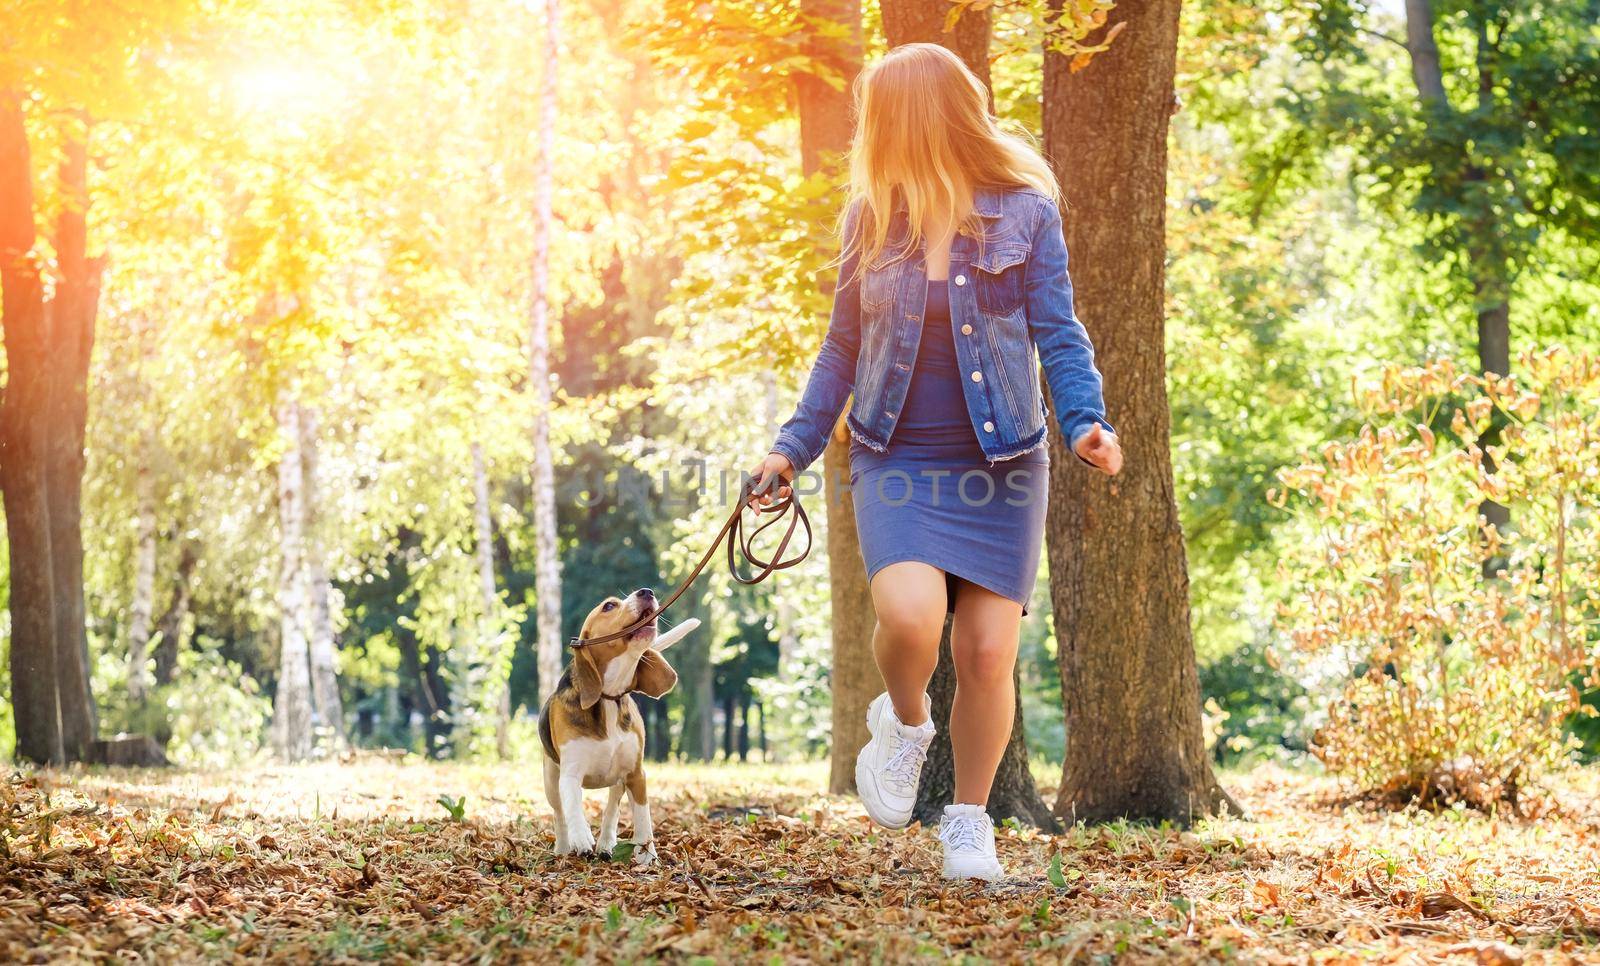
1064,347
803,438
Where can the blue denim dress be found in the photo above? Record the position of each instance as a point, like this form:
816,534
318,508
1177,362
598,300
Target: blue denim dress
933,496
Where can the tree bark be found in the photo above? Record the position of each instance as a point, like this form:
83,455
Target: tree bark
696,687
325,700
854,679
72,314
547,560
1118,576
489,628
922,21
170,626
292,705
1490,278
42,426
827,122
1014,793
141,612
1424,51
24,447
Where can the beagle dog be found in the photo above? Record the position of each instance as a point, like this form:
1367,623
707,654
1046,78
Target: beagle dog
591,730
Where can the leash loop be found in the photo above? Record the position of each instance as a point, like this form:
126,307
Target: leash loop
733,530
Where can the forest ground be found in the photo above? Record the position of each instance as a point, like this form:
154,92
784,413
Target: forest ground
359,860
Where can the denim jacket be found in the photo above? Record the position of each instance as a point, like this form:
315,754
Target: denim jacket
1009,295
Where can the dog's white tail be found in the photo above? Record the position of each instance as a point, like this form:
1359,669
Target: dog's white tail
675,635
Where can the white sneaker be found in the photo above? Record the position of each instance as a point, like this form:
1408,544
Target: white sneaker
968,836
888,767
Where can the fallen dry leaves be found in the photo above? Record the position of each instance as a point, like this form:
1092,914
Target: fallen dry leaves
359,861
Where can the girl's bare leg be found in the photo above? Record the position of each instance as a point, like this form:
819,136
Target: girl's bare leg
909,598
984,643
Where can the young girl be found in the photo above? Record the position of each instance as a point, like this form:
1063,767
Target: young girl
953,274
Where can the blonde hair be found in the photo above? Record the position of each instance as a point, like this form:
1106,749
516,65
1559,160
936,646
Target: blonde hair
924,131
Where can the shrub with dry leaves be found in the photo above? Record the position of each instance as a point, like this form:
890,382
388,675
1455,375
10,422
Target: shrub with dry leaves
1450,649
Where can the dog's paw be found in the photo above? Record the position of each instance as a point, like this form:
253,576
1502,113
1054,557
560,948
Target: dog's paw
604,845
580,841
645,855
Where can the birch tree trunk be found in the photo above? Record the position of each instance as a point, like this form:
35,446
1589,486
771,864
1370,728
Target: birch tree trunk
1118,576
292,707
489,636
547,560
141,613
326,703
171,625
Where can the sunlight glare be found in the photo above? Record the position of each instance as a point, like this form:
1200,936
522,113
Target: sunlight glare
283,89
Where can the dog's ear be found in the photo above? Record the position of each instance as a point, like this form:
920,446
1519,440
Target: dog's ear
654,675
586,677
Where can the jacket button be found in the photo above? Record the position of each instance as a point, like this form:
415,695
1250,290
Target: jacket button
966,330
988,427
961,280
977,377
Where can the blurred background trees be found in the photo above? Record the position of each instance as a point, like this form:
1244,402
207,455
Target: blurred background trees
311,230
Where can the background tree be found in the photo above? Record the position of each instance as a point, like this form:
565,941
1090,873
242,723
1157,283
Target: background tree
548,584
48,342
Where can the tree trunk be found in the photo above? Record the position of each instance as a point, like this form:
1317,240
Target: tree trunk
1014,793
24,447
1118,576
72,314
1490,282
325,700
922,21
42,425
547,565
292,706
1424,51
826,124
696,685
489,635
854,679
141,612
170,626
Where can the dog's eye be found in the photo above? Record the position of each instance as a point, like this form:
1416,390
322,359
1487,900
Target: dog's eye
609,605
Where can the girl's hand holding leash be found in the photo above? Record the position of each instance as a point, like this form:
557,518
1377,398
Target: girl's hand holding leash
1098,447
772,465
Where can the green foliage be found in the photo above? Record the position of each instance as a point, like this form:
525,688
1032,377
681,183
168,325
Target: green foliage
217,714
1506,156
1257,709
456,807
1444,646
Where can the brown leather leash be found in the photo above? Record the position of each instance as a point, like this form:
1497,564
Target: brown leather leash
733,530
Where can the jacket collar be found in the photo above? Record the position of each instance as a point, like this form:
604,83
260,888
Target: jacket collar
986,201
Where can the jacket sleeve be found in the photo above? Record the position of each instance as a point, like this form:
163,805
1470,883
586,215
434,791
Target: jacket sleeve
802,439
1064,347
